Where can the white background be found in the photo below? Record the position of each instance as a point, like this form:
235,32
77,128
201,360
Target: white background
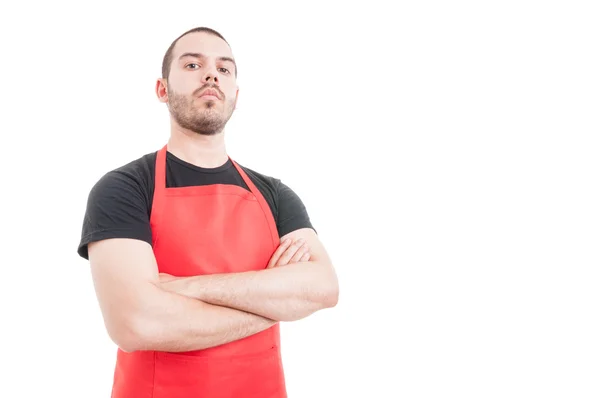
447,153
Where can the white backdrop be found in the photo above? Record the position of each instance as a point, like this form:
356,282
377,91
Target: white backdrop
447,153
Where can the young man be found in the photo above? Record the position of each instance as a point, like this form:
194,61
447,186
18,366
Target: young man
196,259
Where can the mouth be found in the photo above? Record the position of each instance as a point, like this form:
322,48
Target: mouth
210,94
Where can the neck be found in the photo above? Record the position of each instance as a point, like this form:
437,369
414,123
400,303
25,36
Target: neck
207,151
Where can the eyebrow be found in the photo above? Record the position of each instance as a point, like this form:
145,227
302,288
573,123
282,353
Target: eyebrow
200,55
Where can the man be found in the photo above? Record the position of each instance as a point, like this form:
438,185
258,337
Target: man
196,259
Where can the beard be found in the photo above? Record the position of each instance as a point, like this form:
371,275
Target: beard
205,118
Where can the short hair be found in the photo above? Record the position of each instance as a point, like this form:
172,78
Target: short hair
168,58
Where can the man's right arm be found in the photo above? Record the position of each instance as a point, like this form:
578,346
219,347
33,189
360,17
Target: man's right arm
139,315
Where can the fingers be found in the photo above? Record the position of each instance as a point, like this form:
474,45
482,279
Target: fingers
277,255
293,253
289,252
300,253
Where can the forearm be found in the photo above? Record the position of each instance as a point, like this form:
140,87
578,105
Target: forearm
285,293
166,321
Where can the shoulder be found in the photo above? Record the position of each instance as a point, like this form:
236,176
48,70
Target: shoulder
134,175
136,171
289,209
265,179
269,186
118,204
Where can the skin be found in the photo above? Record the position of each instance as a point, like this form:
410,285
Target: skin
145,310
200,140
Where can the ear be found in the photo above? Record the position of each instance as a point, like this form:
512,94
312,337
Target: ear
161,90
237,92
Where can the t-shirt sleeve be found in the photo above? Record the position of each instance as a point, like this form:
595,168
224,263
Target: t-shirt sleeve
117,207
292,213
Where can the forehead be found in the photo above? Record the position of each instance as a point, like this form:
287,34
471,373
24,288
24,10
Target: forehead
204,43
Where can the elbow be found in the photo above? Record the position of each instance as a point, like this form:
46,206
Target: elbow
331,291
327,296
125,343
131,334
130,342
331,297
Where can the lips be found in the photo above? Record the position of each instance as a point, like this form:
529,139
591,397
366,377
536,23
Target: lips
210,93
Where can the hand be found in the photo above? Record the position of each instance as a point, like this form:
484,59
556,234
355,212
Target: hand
289,253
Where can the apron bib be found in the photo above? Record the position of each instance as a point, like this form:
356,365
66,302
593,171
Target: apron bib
202,230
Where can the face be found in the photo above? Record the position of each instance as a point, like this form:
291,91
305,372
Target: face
201,89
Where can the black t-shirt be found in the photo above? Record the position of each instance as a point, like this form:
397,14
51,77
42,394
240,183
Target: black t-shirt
120,203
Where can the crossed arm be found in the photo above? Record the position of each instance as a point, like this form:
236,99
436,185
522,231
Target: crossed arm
281,293
143,310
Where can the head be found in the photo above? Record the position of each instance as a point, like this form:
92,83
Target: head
199,81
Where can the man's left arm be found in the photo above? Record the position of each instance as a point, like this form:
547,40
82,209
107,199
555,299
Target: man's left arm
282,293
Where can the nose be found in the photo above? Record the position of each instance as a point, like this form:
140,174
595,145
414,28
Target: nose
211,76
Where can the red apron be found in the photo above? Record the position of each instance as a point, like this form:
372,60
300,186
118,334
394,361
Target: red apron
204,230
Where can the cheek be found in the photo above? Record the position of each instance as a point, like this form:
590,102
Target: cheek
178,90
184,86
228,88
231,95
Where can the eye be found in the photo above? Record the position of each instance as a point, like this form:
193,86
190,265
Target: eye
192,64
224,70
